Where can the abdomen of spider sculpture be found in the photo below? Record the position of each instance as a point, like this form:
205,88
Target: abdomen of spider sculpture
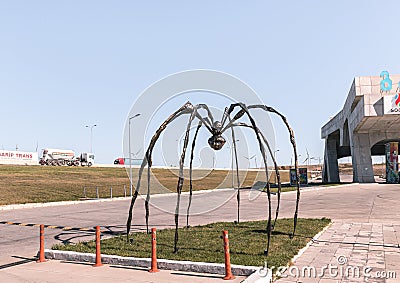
216,142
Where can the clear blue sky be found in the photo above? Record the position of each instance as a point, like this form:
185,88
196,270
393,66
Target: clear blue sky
67,64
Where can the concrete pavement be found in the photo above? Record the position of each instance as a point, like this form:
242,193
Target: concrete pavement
62,271
362,244
355,205
350,252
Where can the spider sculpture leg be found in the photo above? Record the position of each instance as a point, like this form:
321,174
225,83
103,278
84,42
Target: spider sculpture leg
135,195
225,116
146,203
181,176
262,149
237,174
209,114
278,177
185,109
190,173
293,142
181,180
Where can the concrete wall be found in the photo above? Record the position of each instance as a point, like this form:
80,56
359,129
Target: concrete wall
360,125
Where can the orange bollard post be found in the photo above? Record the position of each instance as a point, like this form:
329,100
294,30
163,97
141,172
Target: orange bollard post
41,246
98,253
153,251
228,272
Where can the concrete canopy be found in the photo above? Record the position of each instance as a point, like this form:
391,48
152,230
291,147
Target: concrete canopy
370,117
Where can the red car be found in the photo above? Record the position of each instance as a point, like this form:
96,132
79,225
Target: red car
120,161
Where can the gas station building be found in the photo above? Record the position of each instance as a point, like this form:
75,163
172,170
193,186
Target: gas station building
368,125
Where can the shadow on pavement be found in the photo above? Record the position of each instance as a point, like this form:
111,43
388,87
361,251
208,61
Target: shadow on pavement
130,267
23,261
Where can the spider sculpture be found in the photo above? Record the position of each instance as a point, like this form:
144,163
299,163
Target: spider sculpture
216,142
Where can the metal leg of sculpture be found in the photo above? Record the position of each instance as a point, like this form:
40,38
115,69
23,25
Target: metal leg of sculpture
128,226
209,114
134,197
262,149
181,180
190,173
146,203
224,116
278,177
187,108
293,142
237,174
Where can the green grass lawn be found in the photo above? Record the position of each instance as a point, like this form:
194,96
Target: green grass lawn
247,242
27,184
30,184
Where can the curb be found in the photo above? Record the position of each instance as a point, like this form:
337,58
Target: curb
321,188
200,267
59,203
56,203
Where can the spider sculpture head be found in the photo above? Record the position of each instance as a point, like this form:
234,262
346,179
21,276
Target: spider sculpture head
216,141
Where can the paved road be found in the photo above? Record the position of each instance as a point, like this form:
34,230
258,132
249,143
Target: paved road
366,203
363,243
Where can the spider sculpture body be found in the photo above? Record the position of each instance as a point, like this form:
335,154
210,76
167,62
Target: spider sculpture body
216,142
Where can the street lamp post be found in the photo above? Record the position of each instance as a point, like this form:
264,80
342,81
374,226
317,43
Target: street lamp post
292,159
91,136
233,155
130,154
232,172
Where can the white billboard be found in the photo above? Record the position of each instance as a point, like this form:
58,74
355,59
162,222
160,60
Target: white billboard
18,157
391,104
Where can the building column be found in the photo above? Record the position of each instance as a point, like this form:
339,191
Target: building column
361,157
330,173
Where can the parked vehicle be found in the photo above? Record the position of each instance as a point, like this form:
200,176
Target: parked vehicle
60,157
86,159
125,161
120,161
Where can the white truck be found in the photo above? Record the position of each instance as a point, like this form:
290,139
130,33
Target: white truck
59,157
87,159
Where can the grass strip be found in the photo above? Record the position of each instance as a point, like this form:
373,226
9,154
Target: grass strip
203,243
